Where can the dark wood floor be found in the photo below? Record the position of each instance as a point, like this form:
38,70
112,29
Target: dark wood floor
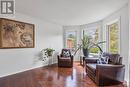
50,76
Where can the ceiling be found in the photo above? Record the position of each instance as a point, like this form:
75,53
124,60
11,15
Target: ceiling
69,12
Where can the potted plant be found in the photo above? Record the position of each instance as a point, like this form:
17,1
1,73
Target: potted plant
48,51
87,44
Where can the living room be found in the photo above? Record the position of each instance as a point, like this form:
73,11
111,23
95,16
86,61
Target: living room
52,22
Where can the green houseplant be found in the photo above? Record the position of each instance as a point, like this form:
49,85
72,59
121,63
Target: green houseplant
87,44
48,51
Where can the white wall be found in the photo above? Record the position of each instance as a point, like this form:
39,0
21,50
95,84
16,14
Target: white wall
124,34
47,34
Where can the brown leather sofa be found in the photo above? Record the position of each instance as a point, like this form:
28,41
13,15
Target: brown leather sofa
65,59
106,74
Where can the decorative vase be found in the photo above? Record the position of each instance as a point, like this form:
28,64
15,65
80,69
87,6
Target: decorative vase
50,60
85,52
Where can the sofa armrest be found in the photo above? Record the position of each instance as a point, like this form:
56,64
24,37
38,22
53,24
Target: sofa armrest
91,60
109,74
107,66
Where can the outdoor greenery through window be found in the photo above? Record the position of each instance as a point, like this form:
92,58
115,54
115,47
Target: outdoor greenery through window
93,33
114,37
71,40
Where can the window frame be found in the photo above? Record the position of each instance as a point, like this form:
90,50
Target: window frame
108,34
66,37
89,29
93,27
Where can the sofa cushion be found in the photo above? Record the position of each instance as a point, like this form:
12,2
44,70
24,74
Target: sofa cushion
114,59
91,60
65,59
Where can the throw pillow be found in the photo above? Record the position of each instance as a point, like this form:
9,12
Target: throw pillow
103,60
66,54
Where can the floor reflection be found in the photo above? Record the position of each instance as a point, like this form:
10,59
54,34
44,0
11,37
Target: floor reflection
65,73
50,76
71,82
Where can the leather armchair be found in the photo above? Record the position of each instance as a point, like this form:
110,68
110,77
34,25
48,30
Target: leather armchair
106,74
65,59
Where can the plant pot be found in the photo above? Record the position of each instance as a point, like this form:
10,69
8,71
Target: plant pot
85,52
50,53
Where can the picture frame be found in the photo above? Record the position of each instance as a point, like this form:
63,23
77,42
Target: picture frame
16,34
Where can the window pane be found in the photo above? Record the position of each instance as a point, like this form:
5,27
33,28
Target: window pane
71,39
93,33
113,38
94,50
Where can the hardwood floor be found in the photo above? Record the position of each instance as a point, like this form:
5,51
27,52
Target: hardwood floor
50,76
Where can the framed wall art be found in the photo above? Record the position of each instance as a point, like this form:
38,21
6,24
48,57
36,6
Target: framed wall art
15,34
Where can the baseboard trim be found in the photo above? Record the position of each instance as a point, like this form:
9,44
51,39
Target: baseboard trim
21,71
